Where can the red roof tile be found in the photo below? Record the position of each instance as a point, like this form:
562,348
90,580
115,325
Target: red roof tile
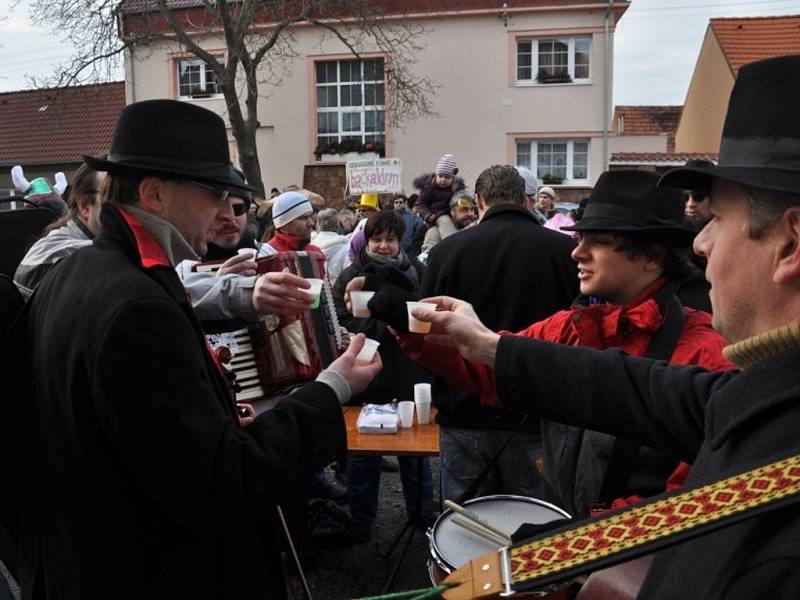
660,157
757,38
647,120
58,125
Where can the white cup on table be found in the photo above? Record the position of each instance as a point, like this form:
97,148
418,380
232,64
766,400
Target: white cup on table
422,402
405,411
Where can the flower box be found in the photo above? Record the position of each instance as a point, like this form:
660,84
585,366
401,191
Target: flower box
348,156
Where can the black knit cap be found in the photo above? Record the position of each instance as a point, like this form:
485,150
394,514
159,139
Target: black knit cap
629,201
760,143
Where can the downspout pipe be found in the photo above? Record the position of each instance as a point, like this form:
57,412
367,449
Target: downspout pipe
607,82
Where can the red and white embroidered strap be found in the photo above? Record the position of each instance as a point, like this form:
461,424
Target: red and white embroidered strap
633,531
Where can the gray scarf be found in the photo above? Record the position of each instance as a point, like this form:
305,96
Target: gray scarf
165,234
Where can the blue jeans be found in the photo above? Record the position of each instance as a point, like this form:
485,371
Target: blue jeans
465,452
363,485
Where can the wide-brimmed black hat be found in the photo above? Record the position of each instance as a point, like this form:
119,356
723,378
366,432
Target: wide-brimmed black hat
167,137
628,201
760,143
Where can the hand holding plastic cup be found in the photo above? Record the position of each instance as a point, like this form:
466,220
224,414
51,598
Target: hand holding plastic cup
359,301
414,325
367,352
314,291
249,251
405,410
422,401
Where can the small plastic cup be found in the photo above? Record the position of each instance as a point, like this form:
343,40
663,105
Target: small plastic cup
405,410
415,326
367,352
314,291
422,402
359,301
249,251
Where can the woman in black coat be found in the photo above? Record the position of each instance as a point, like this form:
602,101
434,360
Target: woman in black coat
386,267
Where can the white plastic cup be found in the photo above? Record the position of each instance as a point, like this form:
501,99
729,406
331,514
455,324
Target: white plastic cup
251,252
314,291
422,402
367,352
405,410
415,326
359,301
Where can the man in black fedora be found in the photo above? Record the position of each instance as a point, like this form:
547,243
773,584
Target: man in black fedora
140,482
721,423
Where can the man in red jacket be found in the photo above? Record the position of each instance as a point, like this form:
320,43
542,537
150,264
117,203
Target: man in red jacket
632,255
293,218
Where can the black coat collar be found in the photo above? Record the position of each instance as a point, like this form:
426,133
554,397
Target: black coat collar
508,210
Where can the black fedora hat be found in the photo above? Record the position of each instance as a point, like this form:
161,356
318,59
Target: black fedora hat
629,201
167,137
760,143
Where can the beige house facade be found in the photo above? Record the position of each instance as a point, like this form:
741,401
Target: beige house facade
727,46
522,86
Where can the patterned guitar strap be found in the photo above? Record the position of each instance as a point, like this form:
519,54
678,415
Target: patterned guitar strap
625,534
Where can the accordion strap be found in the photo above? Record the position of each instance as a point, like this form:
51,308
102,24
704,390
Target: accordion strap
636,530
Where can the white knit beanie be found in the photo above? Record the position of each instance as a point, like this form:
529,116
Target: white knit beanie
447,166
288,207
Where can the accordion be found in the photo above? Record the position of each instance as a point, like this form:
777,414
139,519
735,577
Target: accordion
276,353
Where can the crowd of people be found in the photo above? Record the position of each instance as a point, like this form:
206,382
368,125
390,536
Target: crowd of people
585,357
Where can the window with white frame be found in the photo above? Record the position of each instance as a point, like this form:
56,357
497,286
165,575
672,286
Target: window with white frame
351,102
196,79
552,160
554,60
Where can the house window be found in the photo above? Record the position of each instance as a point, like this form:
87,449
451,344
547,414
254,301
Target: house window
553,160
350,101
196,79
554,60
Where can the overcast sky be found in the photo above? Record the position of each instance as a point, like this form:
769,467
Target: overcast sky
657,43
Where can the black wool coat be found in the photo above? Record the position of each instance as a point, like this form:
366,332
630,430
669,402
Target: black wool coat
514,272
720,422
142,483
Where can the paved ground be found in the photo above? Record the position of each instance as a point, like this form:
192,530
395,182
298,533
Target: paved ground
341,572
354,571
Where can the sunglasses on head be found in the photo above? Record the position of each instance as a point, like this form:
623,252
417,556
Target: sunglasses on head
463,202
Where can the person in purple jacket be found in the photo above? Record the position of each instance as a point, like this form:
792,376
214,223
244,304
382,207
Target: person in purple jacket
435,191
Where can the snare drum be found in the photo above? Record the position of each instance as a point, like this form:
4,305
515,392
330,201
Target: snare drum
452,546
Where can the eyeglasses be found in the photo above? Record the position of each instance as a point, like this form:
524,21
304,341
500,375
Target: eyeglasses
240,208
220,192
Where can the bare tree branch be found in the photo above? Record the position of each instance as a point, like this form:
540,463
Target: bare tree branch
261,44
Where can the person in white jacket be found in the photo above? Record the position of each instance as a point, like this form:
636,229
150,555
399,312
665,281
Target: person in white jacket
333,244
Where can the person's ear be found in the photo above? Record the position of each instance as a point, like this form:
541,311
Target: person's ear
786,236
83,205
151,194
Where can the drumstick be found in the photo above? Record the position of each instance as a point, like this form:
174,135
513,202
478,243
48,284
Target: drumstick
487,535
482,522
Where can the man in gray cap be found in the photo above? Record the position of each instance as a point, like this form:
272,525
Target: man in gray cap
139,480
722,423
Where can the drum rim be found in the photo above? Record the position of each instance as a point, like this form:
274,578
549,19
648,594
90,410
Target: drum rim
436,553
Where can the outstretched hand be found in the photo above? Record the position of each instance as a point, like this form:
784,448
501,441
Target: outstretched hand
456,324
357,377
281,293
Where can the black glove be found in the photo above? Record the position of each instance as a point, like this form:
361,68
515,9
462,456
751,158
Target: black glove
392,291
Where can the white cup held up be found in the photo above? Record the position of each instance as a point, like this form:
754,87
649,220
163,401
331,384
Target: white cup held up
359,301
414,325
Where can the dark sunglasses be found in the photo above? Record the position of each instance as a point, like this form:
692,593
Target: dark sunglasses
240,208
